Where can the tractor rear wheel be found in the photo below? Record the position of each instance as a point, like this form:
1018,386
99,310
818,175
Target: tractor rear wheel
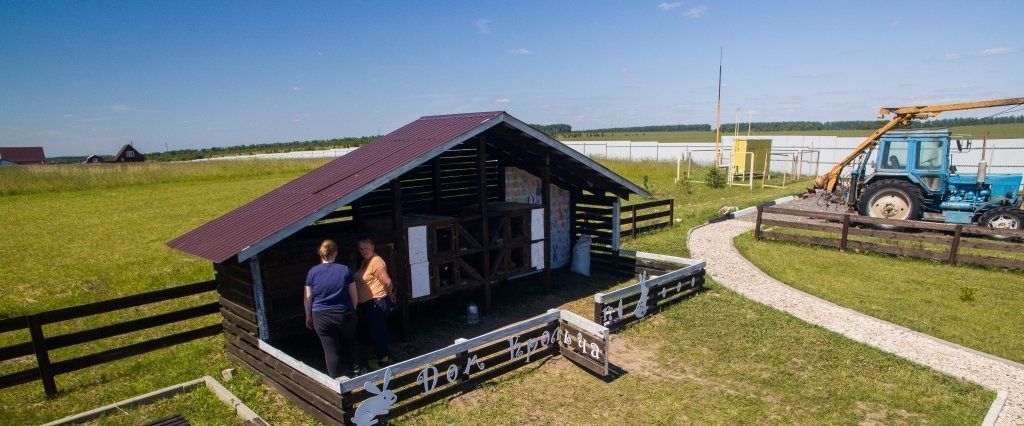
891,199
1003,218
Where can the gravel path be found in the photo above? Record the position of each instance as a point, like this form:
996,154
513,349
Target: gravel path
713,243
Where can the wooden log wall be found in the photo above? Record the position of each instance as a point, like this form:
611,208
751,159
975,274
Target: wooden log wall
240,335
444,185
592,215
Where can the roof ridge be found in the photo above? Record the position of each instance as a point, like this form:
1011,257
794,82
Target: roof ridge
464,114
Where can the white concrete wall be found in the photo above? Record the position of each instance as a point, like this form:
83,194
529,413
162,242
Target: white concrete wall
1003,155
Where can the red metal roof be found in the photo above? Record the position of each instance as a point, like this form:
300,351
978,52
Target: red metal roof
266,220
228,235
23,155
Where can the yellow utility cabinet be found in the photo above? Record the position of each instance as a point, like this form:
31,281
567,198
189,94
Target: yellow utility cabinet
750,156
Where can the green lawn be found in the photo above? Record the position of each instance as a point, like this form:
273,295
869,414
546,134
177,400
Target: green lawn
198,406
733,361
921,295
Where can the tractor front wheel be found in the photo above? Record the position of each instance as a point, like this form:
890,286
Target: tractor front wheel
1003,218
891,199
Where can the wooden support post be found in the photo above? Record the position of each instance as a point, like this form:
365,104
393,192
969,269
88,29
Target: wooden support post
633,220
757,224
262,319
671,211
461,360
402,243
42,356
955,248
599,308
545,184
435,167
846,232
481,170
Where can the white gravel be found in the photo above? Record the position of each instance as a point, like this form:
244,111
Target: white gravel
713,243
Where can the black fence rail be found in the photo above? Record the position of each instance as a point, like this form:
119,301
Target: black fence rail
40,345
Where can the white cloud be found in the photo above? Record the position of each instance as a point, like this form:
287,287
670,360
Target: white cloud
520,51
895,24
121,108
296,89
695,12
669,6
995,51
623,71
69,115
483,26
502,100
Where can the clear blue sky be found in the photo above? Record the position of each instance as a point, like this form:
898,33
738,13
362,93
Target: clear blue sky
85,77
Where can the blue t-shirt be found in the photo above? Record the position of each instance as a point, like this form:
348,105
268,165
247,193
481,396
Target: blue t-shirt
329,285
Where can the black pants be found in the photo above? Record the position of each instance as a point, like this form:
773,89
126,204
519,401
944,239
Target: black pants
337,331
376,315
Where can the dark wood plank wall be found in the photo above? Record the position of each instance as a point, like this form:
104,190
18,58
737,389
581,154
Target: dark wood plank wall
458,186
240,333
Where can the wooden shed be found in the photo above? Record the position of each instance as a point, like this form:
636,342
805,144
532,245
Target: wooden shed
128,154
23,155
455,203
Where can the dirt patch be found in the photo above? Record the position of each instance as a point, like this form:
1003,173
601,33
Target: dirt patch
877,414
640,359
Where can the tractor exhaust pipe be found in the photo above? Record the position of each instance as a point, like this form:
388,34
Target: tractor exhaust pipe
983,165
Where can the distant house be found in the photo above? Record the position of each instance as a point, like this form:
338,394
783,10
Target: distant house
94,159
23,155
128,154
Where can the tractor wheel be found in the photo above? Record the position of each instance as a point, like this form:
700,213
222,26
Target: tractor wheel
1003,218
891,199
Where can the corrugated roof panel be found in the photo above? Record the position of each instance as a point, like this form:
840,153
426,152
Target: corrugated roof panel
268,218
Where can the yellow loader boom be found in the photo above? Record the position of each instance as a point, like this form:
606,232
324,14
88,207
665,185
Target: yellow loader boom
901,116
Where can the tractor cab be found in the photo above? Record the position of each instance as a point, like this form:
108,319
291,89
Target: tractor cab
913,178
918,156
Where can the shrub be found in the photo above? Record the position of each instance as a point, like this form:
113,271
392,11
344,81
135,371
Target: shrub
715,178
967,294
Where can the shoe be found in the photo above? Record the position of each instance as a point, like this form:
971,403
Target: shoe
358,371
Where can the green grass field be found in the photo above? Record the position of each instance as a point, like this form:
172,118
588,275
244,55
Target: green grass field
932,299
733,360
996,131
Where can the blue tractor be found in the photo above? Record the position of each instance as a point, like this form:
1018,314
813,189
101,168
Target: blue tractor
914,179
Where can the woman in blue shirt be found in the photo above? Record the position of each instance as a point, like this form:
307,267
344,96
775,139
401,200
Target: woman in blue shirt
329,293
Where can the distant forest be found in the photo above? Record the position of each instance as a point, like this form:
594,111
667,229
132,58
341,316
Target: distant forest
556,130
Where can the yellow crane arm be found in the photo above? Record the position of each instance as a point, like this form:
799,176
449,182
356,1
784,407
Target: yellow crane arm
901,115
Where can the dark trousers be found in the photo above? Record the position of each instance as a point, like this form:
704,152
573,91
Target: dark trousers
376,311
337,331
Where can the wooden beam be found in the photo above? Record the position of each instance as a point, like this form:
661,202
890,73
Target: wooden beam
482,175
435,169
545,183
401,239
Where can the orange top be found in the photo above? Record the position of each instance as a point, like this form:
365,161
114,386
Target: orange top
367,284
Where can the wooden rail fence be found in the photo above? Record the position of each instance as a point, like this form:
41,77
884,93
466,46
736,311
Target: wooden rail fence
952,237
40,345
598,221
664,280
645,216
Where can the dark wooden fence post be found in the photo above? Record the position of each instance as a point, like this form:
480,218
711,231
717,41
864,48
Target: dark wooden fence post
633,220
671,211
42,356
846,232
757,225
955,248
598,309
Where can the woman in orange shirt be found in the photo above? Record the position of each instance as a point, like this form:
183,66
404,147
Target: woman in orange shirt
376,298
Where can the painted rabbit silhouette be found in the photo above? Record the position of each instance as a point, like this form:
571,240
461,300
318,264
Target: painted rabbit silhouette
641,305
378,404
